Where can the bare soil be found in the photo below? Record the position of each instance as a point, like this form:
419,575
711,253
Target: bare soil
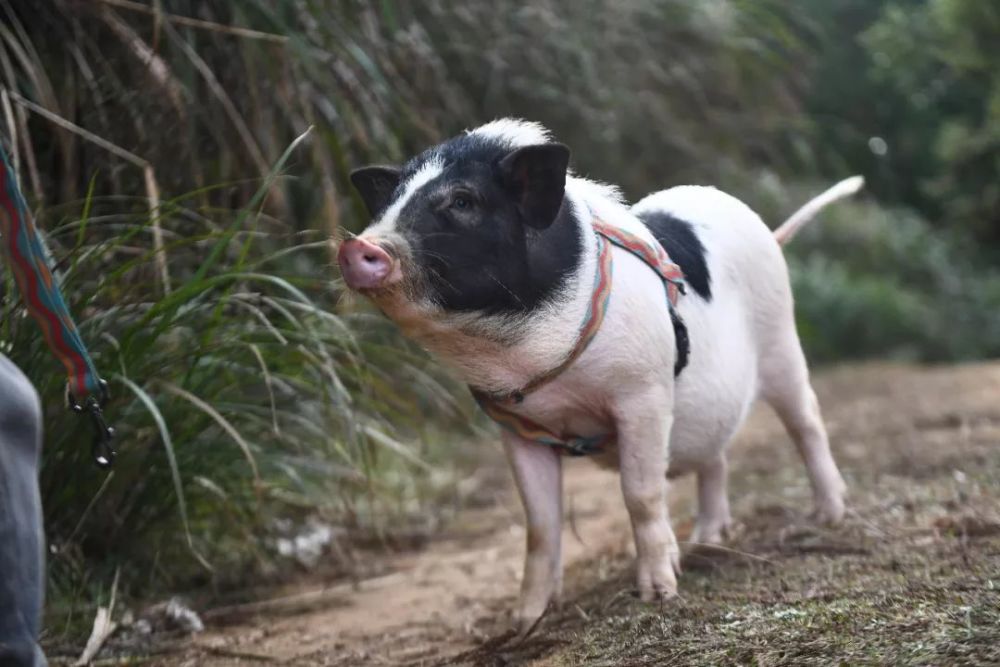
911,577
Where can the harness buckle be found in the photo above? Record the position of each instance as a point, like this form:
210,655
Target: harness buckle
101,450
579,446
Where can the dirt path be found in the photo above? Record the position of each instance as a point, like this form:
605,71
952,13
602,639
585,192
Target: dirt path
912,576
443,600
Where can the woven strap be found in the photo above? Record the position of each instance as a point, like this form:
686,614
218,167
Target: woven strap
655,258
531,430
652,255
29,263
596,309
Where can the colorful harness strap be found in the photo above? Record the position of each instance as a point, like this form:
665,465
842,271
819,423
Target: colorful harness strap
655,258
652,255
29,262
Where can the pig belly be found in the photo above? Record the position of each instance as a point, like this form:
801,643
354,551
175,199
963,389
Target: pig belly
698,435
707,414
710,405
714,394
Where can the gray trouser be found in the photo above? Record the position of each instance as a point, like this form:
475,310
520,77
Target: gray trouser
21,541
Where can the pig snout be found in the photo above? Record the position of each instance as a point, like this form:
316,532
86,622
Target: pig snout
365,265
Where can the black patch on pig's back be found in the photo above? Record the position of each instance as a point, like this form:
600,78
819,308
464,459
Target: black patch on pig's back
681,242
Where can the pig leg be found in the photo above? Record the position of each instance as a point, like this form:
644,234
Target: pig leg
785,386
643,422
538,473
713,503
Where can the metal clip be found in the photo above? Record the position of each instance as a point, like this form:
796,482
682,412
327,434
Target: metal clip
103,452
579,446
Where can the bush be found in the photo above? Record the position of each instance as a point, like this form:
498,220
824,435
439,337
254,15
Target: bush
872,281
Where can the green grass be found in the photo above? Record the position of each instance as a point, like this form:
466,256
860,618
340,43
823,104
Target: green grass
244,395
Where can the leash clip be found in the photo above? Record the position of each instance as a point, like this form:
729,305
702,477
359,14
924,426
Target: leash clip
102,451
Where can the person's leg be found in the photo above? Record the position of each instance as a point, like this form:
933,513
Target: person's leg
21,540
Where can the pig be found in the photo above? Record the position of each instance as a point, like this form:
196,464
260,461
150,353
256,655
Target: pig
483,250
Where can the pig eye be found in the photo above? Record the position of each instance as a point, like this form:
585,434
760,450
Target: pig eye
461,201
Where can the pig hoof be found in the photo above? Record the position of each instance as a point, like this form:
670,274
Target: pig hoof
531,610
675,562
711,533
829,511
659,581
526,620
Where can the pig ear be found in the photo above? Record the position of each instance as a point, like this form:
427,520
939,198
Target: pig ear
375,185
536,177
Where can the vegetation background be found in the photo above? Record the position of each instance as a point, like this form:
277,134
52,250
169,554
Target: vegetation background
155,140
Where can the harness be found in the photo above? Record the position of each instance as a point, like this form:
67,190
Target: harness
86,391
652,255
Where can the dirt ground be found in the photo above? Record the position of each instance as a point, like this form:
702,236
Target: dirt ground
911,577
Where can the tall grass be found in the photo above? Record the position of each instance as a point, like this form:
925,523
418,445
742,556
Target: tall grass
711,84
240,397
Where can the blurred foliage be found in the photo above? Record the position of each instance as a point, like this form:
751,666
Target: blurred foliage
873,281
909,90
769,99
715,87
712,87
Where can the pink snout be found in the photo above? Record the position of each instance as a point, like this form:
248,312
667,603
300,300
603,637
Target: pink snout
364,265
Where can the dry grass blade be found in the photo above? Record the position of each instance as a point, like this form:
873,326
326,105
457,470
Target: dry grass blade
322,159
153,194
149,176
17,123
198,23
8,114
103,627
157,67
219,91
124,154
19,43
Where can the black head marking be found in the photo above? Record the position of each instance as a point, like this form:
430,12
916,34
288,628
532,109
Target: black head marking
681,242
491,232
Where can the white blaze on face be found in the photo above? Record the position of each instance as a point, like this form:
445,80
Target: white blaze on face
510,131
387,221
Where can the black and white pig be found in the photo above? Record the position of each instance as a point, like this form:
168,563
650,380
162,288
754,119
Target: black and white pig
482,249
